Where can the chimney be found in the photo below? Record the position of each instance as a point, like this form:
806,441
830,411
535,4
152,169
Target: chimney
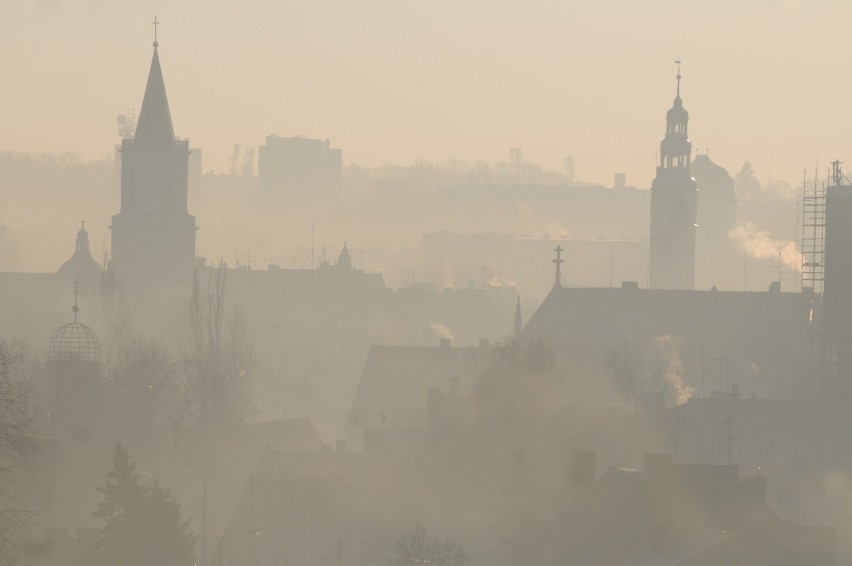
620,181
775,288
444,342
582,468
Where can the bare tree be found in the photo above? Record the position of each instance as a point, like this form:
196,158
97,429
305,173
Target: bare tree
418,547
145,387
521,375
17,448
624,371
217,387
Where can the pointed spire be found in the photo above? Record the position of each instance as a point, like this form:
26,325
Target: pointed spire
154,128
83,238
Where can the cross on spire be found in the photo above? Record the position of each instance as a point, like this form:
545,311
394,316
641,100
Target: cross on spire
678,62
155,23
75,308
558,261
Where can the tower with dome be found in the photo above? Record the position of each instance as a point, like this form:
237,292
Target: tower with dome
674,205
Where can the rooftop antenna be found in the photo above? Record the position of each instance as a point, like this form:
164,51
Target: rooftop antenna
837,177
516,158
235,156
155,23
75,309
568,162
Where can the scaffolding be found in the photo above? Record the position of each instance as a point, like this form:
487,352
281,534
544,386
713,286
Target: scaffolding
811,344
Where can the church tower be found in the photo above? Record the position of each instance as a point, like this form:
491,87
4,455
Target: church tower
674,205
153,235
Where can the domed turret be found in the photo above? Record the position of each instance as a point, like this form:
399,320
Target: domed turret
74,342
81,266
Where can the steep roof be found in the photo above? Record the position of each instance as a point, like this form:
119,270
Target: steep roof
154,128
396,379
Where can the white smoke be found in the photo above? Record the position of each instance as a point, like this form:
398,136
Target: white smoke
760,245
441,330
492,277
448,280
673,374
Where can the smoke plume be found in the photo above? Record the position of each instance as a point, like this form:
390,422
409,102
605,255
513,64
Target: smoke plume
673,372
759,244
441,330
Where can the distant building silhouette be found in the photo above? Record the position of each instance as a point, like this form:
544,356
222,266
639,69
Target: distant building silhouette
299,169
82,266
674,203
838,273
715,253
153,236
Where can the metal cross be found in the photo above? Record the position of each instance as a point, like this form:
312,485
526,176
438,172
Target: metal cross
558,261
155,23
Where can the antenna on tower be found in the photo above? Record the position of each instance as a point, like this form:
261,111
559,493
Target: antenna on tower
126,124
838,179
516,158
569,168
235,157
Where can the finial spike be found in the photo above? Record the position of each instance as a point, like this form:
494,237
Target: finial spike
155,24
75,308
678,62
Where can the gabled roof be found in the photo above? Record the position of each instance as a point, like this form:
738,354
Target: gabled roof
395,382
154,128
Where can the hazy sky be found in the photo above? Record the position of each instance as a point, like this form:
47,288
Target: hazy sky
396,80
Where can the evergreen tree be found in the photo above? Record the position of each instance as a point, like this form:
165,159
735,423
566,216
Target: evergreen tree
143,525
